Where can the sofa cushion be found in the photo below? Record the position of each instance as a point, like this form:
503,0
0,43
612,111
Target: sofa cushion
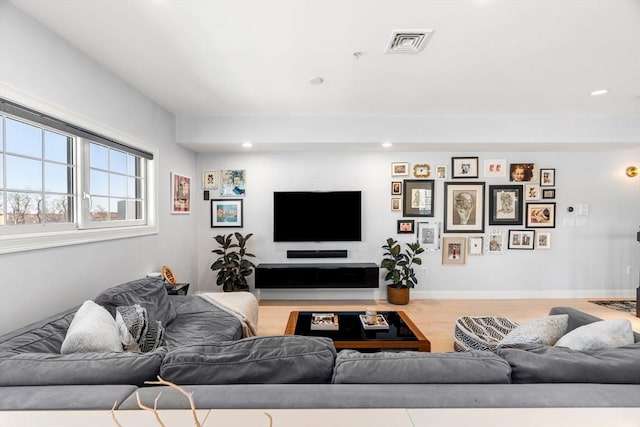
148,292
546,364
407,367
599,335
255,360
42,336
25,369
92,330
543,330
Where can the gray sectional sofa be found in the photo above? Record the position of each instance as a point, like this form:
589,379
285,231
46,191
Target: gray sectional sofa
204,351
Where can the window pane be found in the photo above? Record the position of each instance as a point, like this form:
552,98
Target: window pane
98,156
58,208
55,147
99,183
117,161
118,185
24,174
24,139
131,187
131,165
100,209
1,169
23,208
56,178
3,217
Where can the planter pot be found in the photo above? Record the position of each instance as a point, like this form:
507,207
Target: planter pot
398,296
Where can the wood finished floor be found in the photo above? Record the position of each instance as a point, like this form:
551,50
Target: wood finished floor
435,318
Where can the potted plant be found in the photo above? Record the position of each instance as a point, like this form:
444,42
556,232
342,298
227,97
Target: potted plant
232,264
400,269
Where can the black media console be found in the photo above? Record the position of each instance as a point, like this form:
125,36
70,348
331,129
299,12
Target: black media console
317,276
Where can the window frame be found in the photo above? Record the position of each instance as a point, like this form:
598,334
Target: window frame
27,237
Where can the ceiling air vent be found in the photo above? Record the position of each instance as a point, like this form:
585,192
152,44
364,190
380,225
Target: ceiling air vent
408,41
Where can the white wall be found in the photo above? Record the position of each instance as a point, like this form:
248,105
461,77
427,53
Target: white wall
39,65
585,261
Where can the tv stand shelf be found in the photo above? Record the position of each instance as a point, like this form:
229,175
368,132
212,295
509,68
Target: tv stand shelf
317,276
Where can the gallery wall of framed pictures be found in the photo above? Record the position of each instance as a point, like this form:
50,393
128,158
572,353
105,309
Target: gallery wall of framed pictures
515,209
230,185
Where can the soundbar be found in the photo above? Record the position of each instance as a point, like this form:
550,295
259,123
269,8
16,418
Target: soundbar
338,253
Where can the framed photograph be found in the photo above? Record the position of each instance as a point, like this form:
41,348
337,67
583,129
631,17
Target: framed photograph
180,194
548,193
454,251
523,172
418,197
464,207
209,180
531,192
543,240
400,169
464,167
505,205
521,239
495,243
405,226
232,183
547,177
396,188
226,213
429,235
541,215
422,170
475,244
495,168
441,172
396,204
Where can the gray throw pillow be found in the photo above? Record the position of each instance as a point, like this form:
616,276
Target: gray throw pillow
599,335
137,331
148,292
543,330
408,367
287,359
92,330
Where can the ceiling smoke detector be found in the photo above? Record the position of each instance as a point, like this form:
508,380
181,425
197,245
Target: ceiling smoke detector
408,41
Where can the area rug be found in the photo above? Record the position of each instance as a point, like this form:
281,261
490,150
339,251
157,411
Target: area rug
628,306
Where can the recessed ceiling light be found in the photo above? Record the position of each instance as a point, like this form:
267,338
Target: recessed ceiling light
316,80
387,144
599,92
247,145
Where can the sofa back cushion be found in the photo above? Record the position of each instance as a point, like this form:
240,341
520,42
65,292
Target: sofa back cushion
256,360
30,369
478,367
148,292
43,336
546,364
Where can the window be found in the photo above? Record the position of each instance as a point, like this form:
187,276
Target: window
58,177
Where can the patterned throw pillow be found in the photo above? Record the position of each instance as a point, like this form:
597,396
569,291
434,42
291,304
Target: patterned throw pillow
137,331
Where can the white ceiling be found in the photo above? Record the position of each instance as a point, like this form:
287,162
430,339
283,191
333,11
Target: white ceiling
253,58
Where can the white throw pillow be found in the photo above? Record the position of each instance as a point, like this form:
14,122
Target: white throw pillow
600,335
543,330
92,330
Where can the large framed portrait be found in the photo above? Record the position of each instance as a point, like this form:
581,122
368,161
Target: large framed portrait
418,197
464,167
454,251
226,213
521,239
464,207
505,205
180,194
429,235
541,215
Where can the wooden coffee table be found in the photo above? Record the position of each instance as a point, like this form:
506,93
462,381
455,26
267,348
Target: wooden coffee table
401,335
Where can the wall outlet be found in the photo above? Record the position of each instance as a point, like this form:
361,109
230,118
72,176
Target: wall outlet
629,269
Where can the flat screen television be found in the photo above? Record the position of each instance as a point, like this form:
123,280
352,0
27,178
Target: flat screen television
317,216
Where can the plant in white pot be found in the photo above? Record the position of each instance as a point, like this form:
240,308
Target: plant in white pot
400,272
232,264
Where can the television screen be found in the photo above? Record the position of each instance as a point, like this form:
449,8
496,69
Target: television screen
317,216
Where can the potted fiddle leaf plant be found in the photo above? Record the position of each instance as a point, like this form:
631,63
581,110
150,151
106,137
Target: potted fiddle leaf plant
400,273
232,264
